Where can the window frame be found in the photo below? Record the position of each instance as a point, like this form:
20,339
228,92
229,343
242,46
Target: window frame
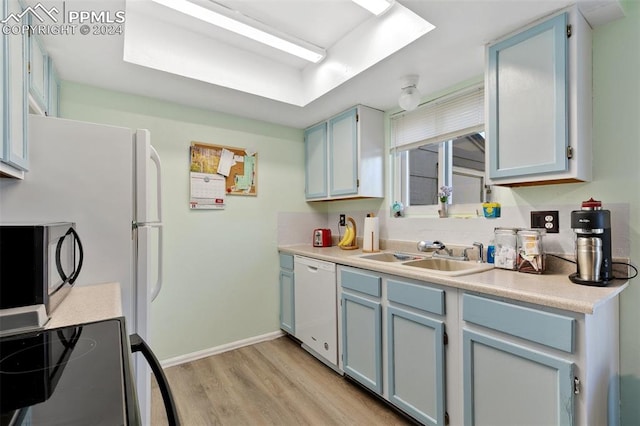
399,161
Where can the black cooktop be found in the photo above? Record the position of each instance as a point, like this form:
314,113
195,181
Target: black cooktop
78,375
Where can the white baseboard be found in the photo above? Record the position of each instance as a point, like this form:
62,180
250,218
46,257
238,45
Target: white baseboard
170,362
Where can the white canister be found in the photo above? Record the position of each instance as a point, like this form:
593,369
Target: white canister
370,236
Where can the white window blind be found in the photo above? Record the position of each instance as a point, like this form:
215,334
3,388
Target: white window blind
442,119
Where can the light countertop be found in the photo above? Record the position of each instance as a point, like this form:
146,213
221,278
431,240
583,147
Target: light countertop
552,289
86,304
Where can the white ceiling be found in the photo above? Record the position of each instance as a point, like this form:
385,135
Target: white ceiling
451,53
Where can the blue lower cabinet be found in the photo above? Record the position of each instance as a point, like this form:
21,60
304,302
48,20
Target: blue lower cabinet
362,340
509,384
416,365
287,294
287,300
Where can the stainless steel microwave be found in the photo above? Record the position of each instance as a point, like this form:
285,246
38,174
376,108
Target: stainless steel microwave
38,264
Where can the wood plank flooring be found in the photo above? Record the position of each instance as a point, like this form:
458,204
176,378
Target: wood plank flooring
269,383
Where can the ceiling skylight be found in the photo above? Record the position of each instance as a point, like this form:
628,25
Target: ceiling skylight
377,7
247,27
189,45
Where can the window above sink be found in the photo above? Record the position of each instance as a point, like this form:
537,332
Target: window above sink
440,144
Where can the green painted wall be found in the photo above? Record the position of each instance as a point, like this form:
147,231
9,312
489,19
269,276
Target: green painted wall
221,267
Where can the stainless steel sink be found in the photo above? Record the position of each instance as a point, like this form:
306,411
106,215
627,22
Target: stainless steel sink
449,267
391,257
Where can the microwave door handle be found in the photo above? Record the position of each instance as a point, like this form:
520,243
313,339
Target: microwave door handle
61,273
74,276
139,345
59,263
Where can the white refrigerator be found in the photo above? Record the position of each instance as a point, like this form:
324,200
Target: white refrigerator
107,180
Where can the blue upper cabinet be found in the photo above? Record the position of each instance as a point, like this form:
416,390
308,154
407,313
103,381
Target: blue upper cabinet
38,76
315,159
530,131
343,149
3,55
15,153
539,103
53,101
344,156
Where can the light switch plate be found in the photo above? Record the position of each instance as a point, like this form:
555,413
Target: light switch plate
546,220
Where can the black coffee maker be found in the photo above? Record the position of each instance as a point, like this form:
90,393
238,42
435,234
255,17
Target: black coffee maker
592,226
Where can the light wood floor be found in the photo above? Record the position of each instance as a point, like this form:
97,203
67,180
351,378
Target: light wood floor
270,383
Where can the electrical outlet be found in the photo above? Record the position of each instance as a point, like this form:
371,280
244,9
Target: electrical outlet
343,220
547,220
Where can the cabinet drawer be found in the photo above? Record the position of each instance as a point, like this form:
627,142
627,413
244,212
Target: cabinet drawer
549,329
362,282
286,261
417,296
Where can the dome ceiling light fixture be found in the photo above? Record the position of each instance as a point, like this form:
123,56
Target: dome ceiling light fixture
410,95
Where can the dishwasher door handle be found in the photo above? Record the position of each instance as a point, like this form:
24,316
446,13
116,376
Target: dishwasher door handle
312,268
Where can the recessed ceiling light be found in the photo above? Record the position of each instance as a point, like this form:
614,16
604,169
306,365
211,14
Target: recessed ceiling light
247,27
377,7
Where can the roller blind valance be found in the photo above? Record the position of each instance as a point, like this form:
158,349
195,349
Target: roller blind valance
438,120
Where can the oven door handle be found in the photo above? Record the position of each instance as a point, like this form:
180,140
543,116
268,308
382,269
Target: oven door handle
139,345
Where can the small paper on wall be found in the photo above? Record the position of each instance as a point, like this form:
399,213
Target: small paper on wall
226,162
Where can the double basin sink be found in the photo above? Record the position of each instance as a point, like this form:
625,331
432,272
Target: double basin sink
438,265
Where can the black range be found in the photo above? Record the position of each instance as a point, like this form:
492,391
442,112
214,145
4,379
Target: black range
76,375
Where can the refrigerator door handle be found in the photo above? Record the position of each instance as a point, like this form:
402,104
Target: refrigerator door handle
158,286
156,159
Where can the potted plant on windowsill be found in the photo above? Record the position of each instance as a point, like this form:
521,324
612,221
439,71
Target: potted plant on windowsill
443,196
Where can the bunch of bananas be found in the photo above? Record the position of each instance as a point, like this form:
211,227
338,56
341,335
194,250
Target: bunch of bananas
349,236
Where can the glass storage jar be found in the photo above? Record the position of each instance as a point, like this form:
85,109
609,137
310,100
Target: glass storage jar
505,256
531,256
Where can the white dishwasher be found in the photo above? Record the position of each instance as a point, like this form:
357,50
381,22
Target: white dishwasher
316,308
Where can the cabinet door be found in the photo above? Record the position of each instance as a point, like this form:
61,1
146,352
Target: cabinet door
3,65
15,145
287,300
415,356
54,91
508,384
528,101
315,159
38,73
362,340
343,154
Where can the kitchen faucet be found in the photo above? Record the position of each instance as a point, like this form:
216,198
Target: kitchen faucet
480,251
435,245
448,253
